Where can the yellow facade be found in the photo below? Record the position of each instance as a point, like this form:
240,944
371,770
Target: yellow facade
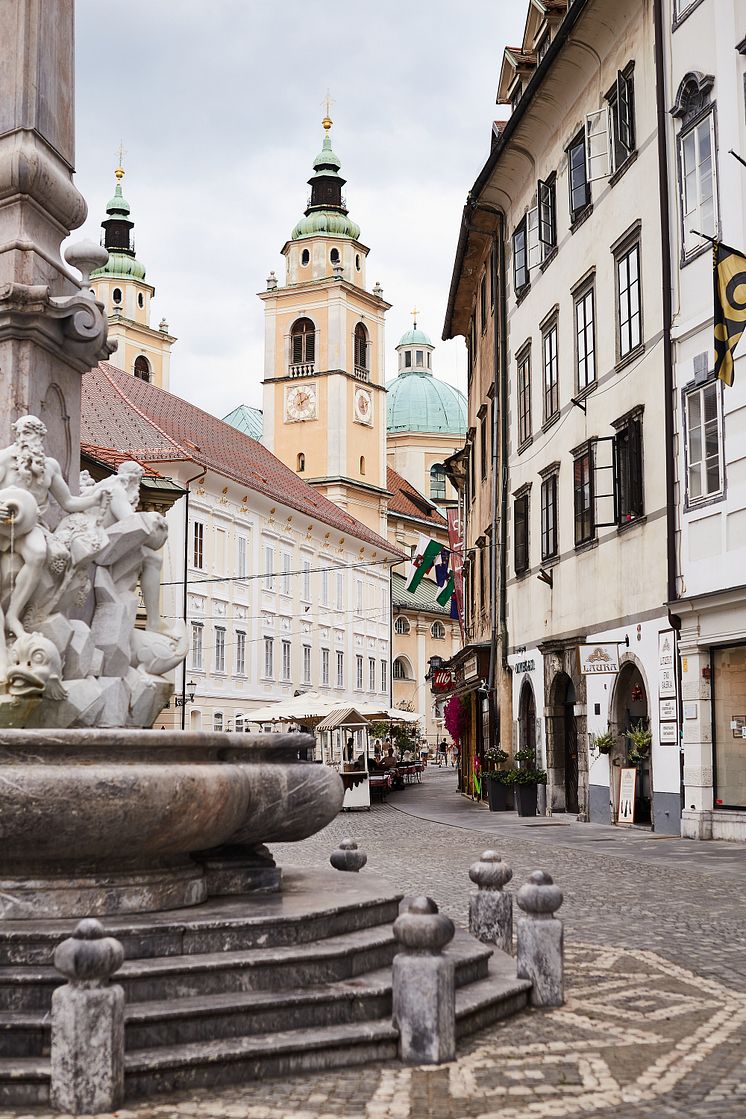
127,302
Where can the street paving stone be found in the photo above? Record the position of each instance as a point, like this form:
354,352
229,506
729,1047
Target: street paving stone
654,1024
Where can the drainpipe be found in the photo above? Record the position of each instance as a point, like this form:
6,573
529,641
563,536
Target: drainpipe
186,572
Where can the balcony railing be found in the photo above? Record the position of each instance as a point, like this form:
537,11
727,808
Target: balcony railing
303,369
362,373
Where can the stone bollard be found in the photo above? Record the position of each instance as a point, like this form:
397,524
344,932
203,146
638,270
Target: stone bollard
491,910
348,857
540,940
424,1001
88,1024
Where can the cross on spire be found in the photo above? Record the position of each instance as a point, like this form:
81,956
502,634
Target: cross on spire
327,103
414,313
120,162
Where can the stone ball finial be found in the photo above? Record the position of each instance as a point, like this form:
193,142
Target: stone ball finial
539,897
348,856
85,256
422,929
89,956
490,872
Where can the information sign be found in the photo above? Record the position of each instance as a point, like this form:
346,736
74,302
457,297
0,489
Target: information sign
626,808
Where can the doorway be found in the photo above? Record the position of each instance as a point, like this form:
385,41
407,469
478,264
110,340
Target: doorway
527,718
631,713
564,740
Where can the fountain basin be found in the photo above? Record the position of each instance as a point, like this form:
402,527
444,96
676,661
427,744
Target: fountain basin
96,822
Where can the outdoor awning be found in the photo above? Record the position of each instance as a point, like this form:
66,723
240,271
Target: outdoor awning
388,714
346,717
307,708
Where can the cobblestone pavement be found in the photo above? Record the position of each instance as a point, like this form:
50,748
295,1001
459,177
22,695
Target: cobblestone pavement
654,1026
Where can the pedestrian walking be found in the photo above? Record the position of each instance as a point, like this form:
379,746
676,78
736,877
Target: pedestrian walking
442,753
454,756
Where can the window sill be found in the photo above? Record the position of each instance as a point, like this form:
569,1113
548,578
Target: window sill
703,502
581,394
622,171
550,422
525,445
550,561
521,295
694,254
523,574
548,259
587,545
581,217
633,523
629,358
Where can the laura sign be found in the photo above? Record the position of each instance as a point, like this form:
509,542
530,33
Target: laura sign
598,658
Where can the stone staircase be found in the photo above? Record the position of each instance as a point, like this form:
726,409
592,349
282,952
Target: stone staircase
243,988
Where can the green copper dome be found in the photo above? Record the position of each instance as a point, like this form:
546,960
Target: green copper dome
326,212
121,265
326,157
117,238
414,338
118,204
335,222
417,401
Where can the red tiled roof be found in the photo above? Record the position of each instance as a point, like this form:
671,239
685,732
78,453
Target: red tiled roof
109,457
410,503
153,425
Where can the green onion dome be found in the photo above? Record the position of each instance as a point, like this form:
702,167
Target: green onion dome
417,401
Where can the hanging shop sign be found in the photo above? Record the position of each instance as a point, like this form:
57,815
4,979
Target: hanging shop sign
442,680
626,806
595,659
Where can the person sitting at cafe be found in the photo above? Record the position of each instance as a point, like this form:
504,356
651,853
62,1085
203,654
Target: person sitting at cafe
390,760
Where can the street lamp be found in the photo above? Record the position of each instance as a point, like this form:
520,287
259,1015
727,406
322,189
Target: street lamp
188,696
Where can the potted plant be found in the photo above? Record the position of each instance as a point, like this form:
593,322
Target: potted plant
525,781
604,743
640,738
498,791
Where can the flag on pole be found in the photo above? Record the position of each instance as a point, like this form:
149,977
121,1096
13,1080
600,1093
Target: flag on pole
423,558
729,269
445,580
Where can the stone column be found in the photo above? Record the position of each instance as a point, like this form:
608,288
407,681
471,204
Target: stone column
491,910
541,940
51,332
424,1000
696,688
88,1024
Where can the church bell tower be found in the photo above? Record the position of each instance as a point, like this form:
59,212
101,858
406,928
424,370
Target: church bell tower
324,390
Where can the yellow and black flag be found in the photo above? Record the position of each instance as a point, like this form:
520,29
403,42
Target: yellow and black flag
730,307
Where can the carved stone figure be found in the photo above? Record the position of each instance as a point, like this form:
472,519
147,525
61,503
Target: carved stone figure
35,668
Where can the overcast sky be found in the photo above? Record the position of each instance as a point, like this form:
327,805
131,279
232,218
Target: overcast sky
219,103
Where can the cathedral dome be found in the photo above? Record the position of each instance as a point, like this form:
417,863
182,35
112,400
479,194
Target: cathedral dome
326,211
118,238
334,222
414,337
417,401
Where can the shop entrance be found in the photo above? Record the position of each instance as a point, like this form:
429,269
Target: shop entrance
563,740
527,718
631,714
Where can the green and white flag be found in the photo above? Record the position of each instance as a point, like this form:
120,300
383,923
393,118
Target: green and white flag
423,558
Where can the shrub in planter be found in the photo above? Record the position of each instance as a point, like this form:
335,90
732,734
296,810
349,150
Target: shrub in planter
525,784
604,743
499,794
641,739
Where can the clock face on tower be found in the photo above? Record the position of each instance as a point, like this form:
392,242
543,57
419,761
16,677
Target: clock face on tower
363,406
300,403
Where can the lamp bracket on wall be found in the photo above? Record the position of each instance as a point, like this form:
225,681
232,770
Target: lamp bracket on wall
546,577
578,404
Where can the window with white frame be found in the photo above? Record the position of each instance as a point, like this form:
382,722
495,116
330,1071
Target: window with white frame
359,597
239,726
359,673
269,658
438,631
218,561
697,161
287,565
629,305
306,585
401,626
219,649
704,436
324,585
551,372
401,669
269,567
340,669
384,675
325,667
287,661
198,545
240,653
241,557
340,591
306,664
217,721
371,674
197,644
585,339
577,177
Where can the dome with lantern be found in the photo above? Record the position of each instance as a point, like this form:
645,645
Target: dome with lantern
418,401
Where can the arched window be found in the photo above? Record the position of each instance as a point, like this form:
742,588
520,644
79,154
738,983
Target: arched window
301,462
438,630
401,670
239,722
140,300
361,346
334,256
401,625
362,464
116,295
142,368
357,261
302,342
217,720
437,482
305,256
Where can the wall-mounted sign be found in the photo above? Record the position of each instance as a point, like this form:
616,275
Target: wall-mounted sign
738,726
667,709
666,666
598,658
442,679
626,806
524,666
668,734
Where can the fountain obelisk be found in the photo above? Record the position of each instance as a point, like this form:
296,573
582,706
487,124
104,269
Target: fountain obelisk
51,329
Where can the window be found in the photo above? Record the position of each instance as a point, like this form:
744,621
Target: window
362,466
325,667
483,445
269,658
116,295
628,300
198,545
482,578
357,261
384,676
340,670
340,591
419,358
551,373
142,368
218,559
549,547
287,563
140,300
361,346
196,647
438,631
577,177
305,257
303,342
400,669
524,397
629,471
217,721
306,589
520,533
483,303
408,359
697,171
437,482
359,597
583,497
269,567
359,673
301,466
371,674
240,654
728,670
287,661
622,108
219,649
324,586
334,256
703,442
306,664
241,557
585,344
520,263
401,626
547,216
492,279
240,727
